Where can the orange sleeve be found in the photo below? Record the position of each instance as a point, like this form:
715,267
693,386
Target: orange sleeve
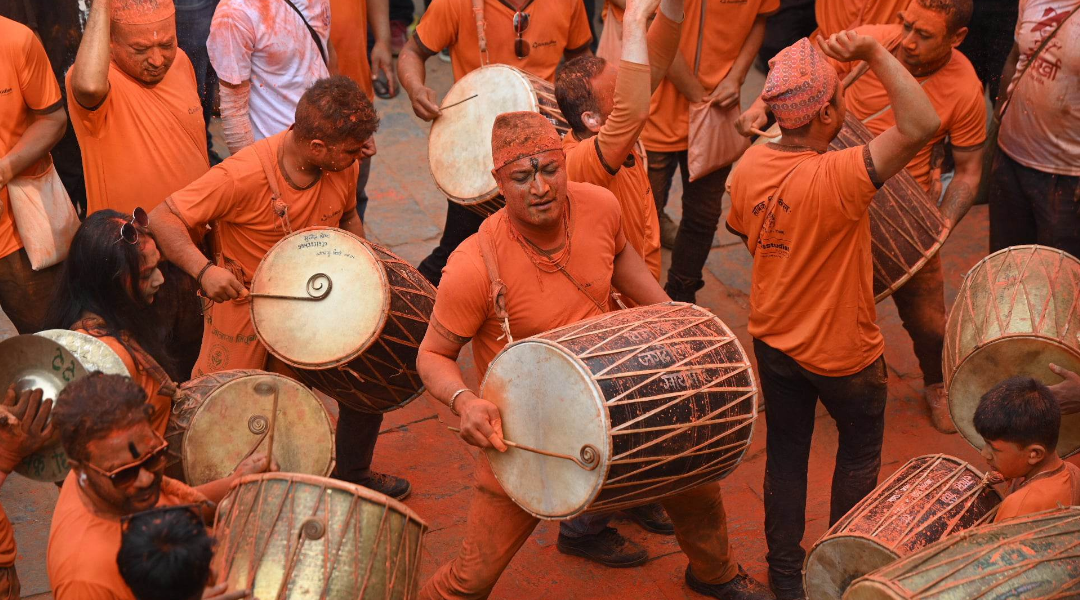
91,118
462,298
969,128
36,80
734,222
7,541
438,27
630,111
663,41
85,590
849,174
579,36
1012,506
206,199
585,164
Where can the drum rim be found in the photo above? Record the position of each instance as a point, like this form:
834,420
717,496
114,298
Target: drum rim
245,373
487,196
345,486
605,453
376,331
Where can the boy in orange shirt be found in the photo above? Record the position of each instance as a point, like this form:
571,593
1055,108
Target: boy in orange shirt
1019,422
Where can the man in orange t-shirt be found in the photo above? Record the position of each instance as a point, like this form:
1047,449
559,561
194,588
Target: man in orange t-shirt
803,214
552,235
135,107
33,122
530,35
718,45
117,464
838,15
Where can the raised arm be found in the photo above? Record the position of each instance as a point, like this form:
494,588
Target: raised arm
90,72
411,75
915,115
235,122
663,41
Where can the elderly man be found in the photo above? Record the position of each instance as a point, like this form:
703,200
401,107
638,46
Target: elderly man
803,214
552,235
117,461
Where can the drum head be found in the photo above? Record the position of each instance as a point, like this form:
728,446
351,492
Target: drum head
460,144
234,419
547,400
835,562
319,334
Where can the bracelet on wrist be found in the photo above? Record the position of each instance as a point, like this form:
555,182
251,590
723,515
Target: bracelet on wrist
453,398
199,277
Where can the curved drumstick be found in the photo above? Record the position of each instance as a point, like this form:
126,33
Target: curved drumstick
314,289
588,458
463,100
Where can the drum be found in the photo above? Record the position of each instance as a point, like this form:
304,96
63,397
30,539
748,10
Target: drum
222,418
906,227
1025,558
347,314
1016,311
460,143
298,537
929,498
621,409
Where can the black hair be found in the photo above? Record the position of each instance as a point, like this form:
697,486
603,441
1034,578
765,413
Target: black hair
165,555
957,12
1019,410
574,89
91,407
334,110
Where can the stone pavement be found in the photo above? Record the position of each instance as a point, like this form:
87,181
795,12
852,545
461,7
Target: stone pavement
406,213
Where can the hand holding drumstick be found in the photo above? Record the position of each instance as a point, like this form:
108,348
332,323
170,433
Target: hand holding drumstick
481,424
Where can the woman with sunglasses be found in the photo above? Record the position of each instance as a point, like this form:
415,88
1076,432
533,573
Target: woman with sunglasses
117,461
108,289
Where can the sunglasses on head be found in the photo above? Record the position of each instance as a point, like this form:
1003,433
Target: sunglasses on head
193,510
126,475
520,23
130,231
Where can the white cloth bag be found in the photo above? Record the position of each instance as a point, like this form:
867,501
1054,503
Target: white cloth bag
44,216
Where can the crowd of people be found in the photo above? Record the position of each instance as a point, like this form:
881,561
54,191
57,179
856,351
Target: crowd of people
171,235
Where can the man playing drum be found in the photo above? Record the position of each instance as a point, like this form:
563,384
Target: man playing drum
532,36
560,249
926,42
302,177
803,214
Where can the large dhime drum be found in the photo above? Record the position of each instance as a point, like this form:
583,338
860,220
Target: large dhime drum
222,418
298,537
347,314
906,227
1016,311
625,408
1025,558
927,499
460,143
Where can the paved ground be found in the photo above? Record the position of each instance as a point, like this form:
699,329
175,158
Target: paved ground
406,213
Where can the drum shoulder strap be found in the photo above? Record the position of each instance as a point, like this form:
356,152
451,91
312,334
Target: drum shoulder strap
498,289
267,158
1035,54
482,38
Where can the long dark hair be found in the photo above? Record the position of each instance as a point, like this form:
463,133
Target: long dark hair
101,276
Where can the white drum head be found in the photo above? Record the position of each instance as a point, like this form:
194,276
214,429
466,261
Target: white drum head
547,400
460,144
323,333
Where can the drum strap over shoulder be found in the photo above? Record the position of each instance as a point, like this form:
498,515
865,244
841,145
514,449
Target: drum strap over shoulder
96,327
498,287
482,39
280,208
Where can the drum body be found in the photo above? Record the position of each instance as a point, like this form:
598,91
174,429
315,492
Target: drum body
222,418
460,143
1025,558
927,499
359,343
296,537
1016,311
662,397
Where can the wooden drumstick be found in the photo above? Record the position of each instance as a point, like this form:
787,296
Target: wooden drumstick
587,461
270,428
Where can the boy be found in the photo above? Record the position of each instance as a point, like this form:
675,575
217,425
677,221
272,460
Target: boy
1019,421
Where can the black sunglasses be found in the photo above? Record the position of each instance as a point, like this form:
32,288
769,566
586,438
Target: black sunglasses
521,23
130,231
126,475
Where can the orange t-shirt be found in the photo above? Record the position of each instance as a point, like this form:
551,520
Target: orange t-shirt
838,15
236,197
554,27
162,404
7,541
1062,488
27,85
728,24
811,281
954,91
144,142
536,301
349,35
81,558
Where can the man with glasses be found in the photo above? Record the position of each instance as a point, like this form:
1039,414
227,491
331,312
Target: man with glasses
527,34
117,462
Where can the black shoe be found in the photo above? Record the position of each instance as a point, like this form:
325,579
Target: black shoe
388,485
652,518
741,587
790,588
608,548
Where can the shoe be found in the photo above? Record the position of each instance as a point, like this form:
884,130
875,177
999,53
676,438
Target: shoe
935,395
444,55
388,485
669,229
741,587
652,518
794,591
608,548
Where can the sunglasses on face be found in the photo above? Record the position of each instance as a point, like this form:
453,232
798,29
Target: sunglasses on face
130,231
126,475
193,510
520,23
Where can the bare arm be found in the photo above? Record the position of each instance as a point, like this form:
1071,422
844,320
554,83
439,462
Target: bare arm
44,131
632,278
351,222
727,91
379,21
215,491
960,195
411,75
663,41
1008,71
90,72
332,59
169,230
681,76
235,119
